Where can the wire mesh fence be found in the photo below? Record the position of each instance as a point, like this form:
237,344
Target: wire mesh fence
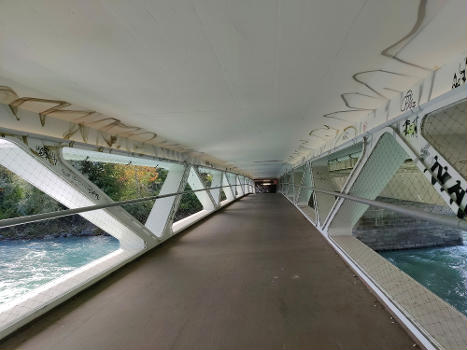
214,178
63,246
341,164
407,188
206,177
41,260
332,173
438,320
385,243
36,253
446,131
418,263
125,181
189,204
305,193
223,197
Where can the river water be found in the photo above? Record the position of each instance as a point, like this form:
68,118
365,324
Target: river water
25,265
441,270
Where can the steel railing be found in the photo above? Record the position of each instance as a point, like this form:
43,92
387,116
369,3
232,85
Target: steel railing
67,212
416,213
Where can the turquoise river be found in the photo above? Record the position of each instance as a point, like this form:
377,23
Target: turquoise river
25,265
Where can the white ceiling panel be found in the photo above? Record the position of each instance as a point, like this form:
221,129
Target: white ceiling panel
241,80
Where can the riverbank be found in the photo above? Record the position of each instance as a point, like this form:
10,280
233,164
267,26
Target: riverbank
70,226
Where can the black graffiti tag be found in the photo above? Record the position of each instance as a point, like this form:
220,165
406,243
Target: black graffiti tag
408,102
78,182
459,76
46,153
458,191
440,174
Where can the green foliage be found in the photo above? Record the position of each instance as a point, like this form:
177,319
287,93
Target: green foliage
119,181
10,194
125,181
18,197
223,196
189,205
103,175
122,182
206,178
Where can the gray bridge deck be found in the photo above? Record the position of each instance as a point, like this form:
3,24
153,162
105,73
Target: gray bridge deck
255,275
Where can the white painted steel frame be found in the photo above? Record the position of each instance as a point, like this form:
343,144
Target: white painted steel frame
416,151
135,238
382,297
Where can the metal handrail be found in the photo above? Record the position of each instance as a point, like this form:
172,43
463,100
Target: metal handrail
416,213
68,212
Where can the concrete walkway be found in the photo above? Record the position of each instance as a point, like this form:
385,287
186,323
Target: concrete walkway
256,275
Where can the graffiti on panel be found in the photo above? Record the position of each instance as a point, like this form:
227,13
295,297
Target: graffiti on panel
459,76
92,127
77,181
425,151
440,174
46,153
410,127
408,102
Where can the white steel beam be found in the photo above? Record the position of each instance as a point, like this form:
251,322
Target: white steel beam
216,182
159,220
229,191
205,197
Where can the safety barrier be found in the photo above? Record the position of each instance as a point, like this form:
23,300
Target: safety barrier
402,186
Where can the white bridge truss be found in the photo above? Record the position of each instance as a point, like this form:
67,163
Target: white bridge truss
335,211
45,164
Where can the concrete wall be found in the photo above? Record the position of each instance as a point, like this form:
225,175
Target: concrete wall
382,229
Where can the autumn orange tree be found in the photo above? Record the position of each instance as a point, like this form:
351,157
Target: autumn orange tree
125,181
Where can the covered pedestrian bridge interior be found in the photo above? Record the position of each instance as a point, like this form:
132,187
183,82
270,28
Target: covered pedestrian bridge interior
248,161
